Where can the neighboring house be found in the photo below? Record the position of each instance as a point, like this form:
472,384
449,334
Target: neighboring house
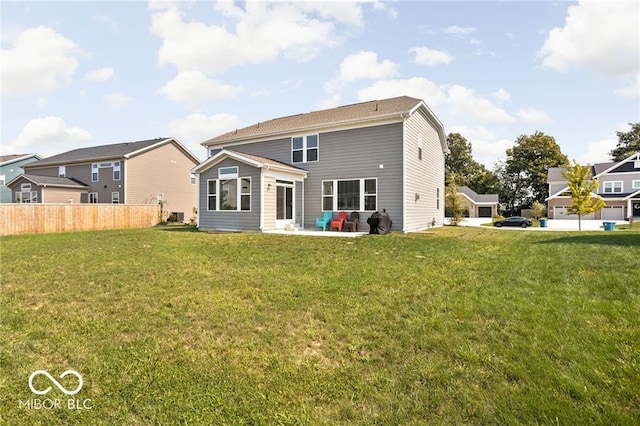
619,186
366,157
479,205
144,172
10,167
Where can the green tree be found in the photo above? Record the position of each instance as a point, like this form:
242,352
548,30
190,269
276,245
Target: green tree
453,202
527,165
459,161
628,143
582,187
537,210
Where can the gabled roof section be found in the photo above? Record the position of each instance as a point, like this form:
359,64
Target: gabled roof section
554,174
14,158
252,160
343,115
604,168
106,152
477,198
50,181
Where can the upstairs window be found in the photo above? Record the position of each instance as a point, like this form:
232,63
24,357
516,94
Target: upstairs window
419,147
62,171
94,172
635,184
2,180
613,187
304,149
116,170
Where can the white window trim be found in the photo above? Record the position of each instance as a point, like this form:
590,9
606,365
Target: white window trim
95,196
115,197
612,183
305,148
62,171
116,168
2,179
334,194
95,169
239,194
635,184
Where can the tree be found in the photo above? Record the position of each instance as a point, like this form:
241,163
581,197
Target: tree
628,143
459,162
527,165
582,189
453,202
537,210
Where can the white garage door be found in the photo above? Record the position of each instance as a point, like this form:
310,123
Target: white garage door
612,213
560,212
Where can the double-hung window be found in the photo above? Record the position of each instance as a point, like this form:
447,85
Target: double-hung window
612,187
635,184
115,197
94,172
229,192
116,170
350,194
62,171
305,149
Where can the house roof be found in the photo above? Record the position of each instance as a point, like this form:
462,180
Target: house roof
347,114
554,174
105,152
254,160
50,181
478,198
13,158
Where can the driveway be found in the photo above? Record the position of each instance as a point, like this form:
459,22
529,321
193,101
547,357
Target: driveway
552,224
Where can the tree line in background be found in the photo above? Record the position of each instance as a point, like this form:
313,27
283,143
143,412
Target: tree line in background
521,180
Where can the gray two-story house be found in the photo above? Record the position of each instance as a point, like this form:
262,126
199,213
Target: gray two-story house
372,156
154,171
10,168
618,185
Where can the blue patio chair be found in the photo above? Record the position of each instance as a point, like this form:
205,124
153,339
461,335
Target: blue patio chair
324,221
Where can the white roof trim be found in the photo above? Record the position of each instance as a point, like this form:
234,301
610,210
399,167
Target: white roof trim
223,154
24,157
618,164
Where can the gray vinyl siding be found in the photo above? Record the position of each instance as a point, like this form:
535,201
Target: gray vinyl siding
626,179
104,186
424,177
10,172
346,154
555,187
230,220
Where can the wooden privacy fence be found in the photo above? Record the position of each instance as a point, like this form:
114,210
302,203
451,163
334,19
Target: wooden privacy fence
42,218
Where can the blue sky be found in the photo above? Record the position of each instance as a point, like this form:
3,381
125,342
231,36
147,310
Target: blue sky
78,74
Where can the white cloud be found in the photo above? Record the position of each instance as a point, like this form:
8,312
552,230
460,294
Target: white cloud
454,29
334,101
534,116
501,95
486,147
117,101
417,87
383,6
197,128
261,32
597,35
461,100
630,91
48,136
361,66
597,152
102,74
40,61
194,88
465,101
430,57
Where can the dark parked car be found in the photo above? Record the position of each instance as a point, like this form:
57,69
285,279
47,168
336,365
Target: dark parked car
513,221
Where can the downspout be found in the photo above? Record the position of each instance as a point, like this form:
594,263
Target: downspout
404,170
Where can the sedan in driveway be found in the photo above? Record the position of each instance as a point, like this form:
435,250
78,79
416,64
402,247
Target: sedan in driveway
513,221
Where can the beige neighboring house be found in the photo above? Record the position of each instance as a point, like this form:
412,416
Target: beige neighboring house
142,172
479,205
618,185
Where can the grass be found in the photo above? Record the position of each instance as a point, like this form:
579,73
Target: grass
461,326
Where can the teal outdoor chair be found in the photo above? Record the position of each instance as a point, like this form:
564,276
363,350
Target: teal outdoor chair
324,221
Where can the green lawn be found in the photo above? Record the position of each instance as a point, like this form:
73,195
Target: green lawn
459,326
